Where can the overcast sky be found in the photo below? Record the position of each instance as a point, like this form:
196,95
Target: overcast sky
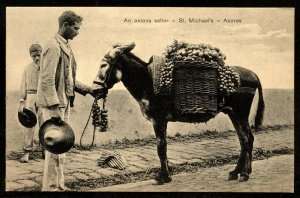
263,42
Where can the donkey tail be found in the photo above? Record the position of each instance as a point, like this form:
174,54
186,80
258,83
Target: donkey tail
260,108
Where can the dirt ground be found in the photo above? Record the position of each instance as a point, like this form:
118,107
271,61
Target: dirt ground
275,174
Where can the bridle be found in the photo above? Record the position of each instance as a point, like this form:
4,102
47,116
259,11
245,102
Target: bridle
112,63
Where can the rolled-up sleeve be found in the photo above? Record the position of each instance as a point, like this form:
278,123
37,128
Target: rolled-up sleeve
23,86
81,88
48,73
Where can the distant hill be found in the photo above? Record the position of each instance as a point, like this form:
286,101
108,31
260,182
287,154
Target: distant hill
126,120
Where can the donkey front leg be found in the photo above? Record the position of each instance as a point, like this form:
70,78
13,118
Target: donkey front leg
160,128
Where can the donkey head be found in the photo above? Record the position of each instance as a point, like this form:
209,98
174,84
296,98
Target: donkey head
110,70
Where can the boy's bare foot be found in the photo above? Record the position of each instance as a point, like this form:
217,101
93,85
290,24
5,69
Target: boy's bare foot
25,158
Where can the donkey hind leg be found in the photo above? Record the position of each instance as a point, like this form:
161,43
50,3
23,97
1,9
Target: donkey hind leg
243,166
247,169
160,132
251,140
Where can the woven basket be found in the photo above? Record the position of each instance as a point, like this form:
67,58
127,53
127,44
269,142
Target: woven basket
156,66
195,88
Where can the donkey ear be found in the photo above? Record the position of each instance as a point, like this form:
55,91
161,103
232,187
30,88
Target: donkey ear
116,45
121,49
128,47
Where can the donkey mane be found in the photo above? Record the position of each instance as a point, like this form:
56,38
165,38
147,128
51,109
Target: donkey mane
134,65
132,58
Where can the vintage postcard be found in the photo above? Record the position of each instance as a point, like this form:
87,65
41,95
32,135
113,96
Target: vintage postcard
168,99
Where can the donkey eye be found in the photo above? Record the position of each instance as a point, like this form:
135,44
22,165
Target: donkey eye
103,65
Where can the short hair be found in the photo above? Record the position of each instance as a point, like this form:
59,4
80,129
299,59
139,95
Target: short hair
35,48
70,17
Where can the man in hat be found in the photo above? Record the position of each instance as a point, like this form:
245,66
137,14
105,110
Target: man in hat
56,87
28,92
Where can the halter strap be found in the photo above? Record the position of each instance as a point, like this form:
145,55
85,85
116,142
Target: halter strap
109,59
99,83
111,62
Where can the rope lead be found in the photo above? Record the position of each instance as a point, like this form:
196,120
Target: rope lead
99,120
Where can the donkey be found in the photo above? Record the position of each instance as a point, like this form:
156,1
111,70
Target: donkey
120,64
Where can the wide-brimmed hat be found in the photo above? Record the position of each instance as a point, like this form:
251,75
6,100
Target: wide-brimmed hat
112,159
27,118
56,136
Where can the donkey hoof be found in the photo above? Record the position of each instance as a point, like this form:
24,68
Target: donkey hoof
167,179
244,177
161,179
232,177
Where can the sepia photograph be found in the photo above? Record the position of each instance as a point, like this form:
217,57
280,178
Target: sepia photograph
149,99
